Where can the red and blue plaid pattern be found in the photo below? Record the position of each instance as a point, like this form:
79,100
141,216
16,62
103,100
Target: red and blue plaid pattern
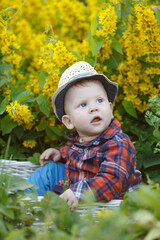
106,165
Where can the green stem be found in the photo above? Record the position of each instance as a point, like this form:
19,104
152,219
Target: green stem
17,11
7,148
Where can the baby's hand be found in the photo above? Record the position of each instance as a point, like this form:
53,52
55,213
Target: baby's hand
69,197
50,153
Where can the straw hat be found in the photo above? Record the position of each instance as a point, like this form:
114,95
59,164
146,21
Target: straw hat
77,72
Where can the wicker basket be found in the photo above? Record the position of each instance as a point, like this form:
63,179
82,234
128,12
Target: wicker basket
24,169
17,168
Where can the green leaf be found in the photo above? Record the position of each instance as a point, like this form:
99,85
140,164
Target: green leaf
95,44
57,131
114,60
53,202
16,152
7,125
43,103
5,74
91,59
154,233
126,8
116,46
3,81
149,118
151,161
35,158
3,105
2,227
76,54
99,2
94,26
2,142
23,98
156,133
42,125
7,212
16,234
147,150
128,5
15,183
32,134
47,29
42,77
128,106
9,9
147,199
20,94
51,134
5,68
157,13
19,132
51,53
118,10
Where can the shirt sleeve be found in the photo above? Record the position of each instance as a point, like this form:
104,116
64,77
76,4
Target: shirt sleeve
63,150
114,173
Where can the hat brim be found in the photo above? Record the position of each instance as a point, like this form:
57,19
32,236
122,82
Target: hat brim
59,95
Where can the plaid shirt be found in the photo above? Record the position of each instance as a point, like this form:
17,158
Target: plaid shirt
106,165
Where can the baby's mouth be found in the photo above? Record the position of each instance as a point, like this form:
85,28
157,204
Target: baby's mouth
96,120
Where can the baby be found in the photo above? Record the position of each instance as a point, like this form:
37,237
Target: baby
98,156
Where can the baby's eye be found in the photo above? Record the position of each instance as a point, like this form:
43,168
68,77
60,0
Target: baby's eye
83,105
99,100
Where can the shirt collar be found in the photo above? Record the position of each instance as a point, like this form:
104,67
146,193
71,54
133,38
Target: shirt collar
113,128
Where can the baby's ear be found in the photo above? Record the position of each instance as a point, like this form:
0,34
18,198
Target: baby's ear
111,106
67,122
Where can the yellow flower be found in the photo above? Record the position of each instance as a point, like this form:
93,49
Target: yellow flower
104,68
51,83
105,51
115,2
103,212
20,114
61,56
153,71
118,116
81,47
29,143
92,8
140,40
98,67
54,57
26,45
9,48
114,78
8,92
60,126
33,85
108,21
52,122
74,22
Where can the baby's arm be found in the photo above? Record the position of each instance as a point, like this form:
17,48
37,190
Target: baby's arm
50,153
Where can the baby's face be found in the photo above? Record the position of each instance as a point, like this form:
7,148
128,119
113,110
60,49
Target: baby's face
87,109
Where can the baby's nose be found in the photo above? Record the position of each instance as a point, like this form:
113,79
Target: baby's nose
93,108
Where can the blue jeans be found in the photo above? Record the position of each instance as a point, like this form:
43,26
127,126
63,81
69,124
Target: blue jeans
46,177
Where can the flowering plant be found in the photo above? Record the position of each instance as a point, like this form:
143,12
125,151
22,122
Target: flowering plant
119,38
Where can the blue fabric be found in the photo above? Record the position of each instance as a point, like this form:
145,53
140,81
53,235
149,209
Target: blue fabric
46,177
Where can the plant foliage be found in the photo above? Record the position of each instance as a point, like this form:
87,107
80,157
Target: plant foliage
119,38
51,218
